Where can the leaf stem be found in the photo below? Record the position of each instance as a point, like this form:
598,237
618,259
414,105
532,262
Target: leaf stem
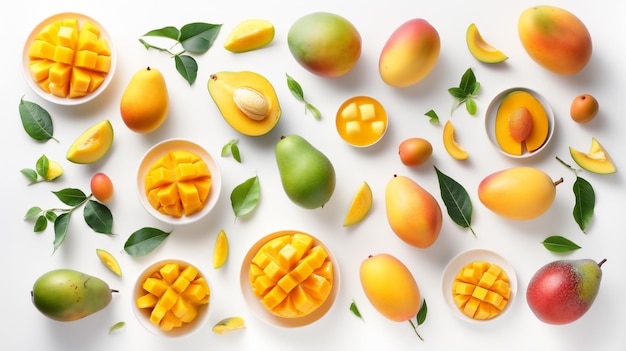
415,329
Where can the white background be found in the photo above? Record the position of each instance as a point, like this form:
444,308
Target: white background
26,255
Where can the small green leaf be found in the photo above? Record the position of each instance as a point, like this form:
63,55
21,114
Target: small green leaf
187,67
298,93
61,224
457,93
51,215
585,202
144,241
234,150
456,199
355,310
475,88
116,326
245,196
198,37
231,148
31,174
470,105
434,118
316,113
98,217
557,243
40,224
36,121
466,92
467,81
42,165
421,314
71,196
165,32
33,213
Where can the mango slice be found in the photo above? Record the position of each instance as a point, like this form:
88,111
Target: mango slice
220,252
480,49
228,324
173,293
92,144
597,160
178,183
453,148
360,206
69,60
292,275
250,35
481,290
109,261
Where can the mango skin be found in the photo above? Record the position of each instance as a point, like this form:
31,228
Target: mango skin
412,212
325,44
410,53
555,38
518,193
68,295
390,287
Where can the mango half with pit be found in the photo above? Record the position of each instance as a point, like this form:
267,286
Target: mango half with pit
178,183
246,100
292,275
522,124
69,59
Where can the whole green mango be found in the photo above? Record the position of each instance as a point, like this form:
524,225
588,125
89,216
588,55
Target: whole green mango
68,295
307,175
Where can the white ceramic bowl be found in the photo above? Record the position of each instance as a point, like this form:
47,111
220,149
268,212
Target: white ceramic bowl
156,152
143,315
464,258
59,100
490,121
261,312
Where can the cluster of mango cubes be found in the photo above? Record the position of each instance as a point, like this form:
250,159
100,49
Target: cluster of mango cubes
291,275
174,295
68,60
481,290
178,183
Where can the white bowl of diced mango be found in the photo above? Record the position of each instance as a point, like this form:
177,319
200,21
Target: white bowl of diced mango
69,59
178,181
171,297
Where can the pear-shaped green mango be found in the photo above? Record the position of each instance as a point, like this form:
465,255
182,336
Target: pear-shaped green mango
67,295
307,175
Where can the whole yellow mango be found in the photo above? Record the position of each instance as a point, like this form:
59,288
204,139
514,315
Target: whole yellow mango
145,101
390,287
412,212
555,38
409,54
518,193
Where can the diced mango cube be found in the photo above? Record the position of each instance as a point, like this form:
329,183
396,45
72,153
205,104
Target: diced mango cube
86,59
480,292
170,272
41,49
287,282
302,300
155,286
67,36
180,284
40,69
146,301
103,64
353,127
350,111
64,55
190,273
274,297
367,111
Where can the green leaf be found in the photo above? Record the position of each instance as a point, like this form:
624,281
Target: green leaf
585,202
355,310
467,81
42,165
61,224
245,196
71,196
316,113
295,88
144,241
456,199
116,326
33,213
231,148
36,121
41,223
187,67
434,118
470,105
51,215
474,88
457,93
31,174
98,217
198,37
421,314
234,150
557,243
165,32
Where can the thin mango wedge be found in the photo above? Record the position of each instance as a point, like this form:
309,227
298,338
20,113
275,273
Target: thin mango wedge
229,324
220,252
250,35
109,261
361,205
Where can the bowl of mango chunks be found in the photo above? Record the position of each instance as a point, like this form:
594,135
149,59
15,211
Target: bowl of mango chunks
289,279
171,297
178,181
69,59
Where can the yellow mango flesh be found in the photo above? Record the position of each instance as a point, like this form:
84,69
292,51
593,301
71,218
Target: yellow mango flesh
292,275
540,123
249,35
173,293
481,290
63,46
361,121
178,184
